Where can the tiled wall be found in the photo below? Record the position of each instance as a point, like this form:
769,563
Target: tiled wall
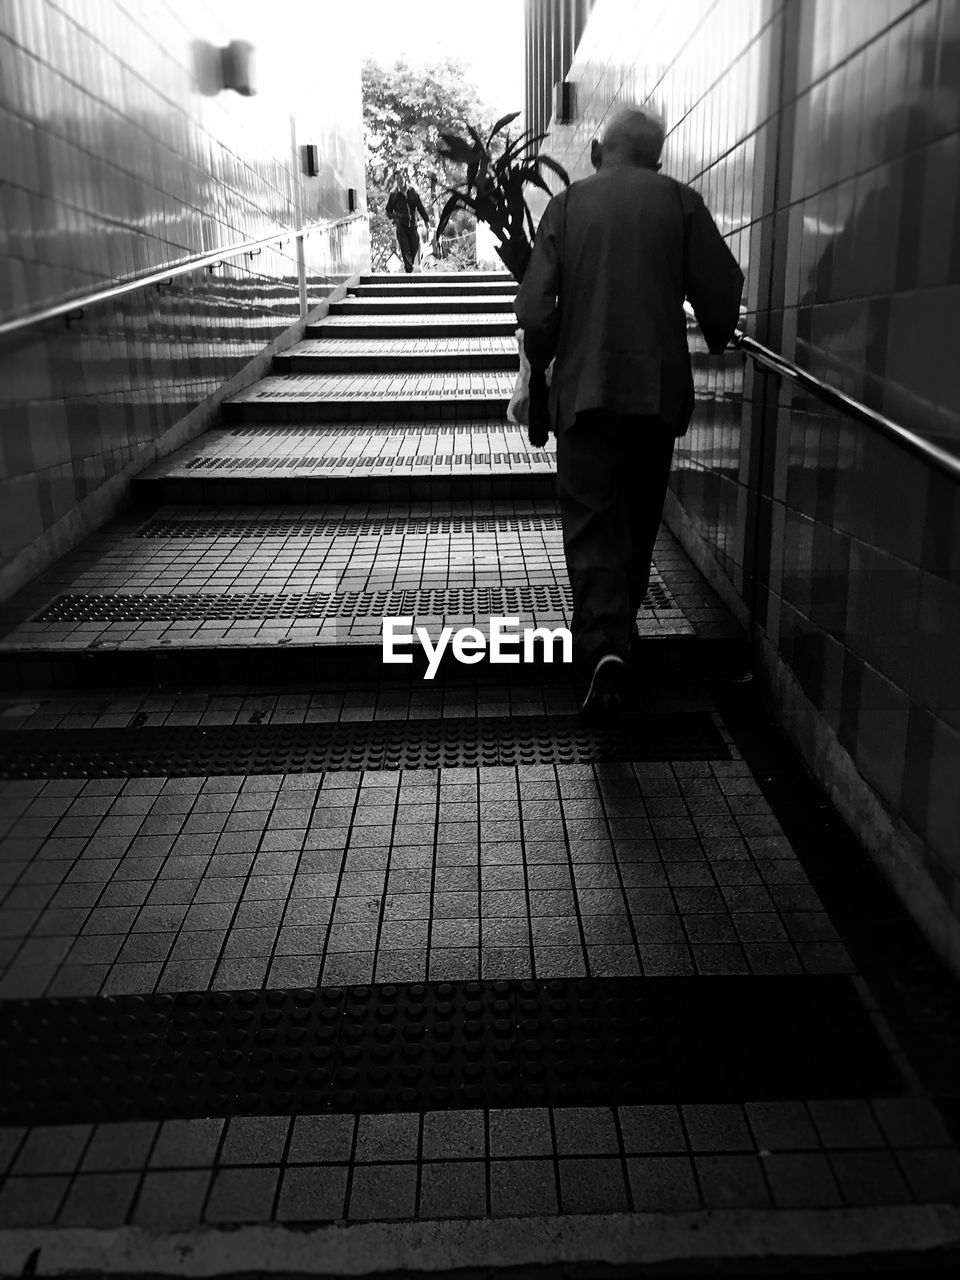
825,138
120,158
552,31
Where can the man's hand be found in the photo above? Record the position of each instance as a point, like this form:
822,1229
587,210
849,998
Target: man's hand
539,413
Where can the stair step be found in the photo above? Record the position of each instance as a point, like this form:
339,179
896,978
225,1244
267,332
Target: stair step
305,397
370,461
370,328
374,444
436,287
407,484
501,304
399,355
275,591
465,278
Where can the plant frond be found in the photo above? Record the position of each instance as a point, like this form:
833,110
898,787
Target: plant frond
502,124
552,165
529,174
459,150
474,134
516,148
457,201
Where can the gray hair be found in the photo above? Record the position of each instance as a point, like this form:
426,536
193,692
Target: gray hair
635,134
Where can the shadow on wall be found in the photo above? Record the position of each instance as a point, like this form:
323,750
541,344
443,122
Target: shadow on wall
867,319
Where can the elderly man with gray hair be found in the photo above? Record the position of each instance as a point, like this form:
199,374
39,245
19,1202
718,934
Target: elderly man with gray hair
615,256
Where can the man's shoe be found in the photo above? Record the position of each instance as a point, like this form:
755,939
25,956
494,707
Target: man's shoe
604,692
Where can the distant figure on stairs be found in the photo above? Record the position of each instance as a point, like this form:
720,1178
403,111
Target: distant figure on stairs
614,257
403,205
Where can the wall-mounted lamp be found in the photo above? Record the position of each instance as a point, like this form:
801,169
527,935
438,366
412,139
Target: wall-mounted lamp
237,68
310,154
564,101
217,69
351,199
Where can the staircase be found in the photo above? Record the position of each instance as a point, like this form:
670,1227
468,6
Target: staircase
372,473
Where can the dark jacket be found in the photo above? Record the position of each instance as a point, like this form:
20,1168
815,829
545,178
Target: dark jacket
403,207
614,258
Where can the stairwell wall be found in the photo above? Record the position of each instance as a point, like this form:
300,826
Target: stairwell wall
824,139
123,154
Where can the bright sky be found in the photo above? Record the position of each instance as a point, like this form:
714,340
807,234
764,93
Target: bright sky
486,36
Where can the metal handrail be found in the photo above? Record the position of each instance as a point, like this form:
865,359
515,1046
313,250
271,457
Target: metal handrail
179,268
785,368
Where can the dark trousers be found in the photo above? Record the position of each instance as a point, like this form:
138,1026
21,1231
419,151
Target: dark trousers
409,243
612,473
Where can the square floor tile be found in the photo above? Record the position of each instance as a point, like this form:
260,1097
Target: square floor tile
662,1184
453,1190
522,1132
313,1194
592,1186
31,1202
171,1199
99,1200
585,1131
454,1135
119,1146
255,1140
520,1188
323,1139
389,1136
242,1195
869,1177
186,1143
380,1192
732,1182
801,1180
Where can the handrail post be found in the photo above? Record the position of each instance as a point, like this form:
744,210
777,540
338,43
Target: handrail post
302,277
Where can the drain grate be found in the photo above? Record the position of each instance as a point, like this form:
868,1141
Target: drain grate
431,1046
294,527
299,461
548,599
192,751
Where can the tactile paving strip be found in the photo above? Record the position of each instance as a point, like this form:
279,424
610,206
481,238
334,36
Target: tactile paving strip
299,527
384,432
189,751
394,387
438,1046
306,604
392,461
545,598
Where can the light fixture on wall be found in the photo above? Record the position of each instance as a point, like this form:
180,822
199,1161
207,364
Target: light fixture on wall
310,153
351,199
564,101
231,67
237,67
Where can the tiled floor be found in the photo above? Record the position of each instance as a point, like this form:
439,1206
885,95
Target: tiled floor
182,884
703,869
476,1163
